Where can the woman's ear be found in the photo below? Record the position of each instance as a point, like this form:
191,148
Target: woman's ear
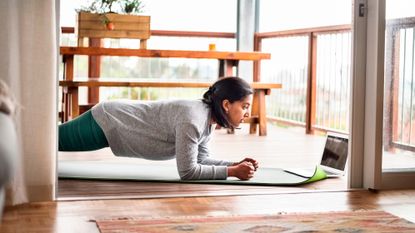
225,105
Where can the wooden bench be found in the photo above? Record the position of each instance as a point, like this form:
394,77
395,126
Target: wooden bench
71,101
226,62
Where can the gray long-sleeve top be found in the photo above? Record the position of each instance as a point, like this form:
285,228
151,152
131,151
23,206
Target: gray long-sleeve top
162,130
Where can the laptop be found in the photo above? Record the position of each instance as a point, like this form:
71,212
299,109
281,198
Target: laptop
333,160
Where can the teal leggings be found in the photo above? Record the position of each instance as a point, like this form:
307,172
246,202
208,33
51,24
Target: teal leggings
81,134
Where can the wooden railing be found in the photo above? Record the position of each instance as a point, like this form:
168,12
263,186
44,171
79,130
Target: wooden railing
399,117
308,93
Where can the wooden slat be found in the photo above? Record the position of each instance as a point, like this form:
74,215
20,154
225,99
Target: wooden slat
229,35
261,85
115,34
74,102
67,30
130,84
103,83
253,56
93,25
94,70
304,31
84,16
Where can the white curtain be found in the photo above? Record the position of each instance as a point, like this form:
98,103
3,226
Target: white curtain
28,64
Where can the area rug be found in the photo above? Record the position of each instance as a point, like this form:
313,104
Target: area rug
339,222
162,173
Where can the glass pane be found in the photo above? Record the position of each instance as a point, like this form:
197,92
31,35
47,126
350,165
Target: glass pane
399,109
289,102
277,15
191,15
212,15
289,28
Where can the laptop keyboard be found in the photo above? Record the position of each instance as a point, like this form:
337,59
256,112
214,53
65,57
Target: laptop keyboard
330,173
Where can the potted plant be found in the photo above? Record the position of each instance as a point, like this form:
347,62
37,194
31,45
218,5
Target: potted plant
113,19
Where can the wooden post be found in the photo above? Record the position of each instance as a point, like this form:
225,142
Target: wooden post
226,67
143,43
65,105
94,70
73,92
262,115
68,64
311,84
391,96
68,75
395,89
255,109
257,64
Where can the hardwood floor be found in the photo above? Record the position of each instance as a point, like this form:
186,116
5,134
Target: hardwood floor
90,189
77,216
79,202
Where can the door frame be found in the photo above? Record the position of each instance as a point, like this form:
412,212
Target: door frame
367,101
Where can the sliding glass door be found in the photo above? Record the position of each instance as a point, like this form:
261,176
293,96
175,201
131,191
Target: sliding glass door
383,95
398,158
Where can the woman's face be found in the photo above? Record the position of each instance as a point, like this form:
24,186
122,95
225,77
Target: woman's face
238,110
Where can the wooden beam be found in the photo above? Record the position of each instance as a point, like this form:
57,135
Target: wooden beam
252,56
94,70
229,35
171,33
311,84
104,83
305,31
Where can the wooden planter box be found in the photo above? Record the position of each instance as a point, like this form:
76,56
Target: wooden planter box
125,26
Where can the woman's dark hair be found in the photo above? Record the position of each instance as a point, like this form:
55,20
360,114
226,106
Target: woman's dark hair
227,88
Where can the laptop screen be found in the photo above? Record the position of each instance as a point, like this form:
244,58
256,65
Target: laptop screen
335,152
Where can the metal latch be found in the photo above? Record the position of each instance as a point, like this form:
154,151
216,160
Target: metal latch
362,9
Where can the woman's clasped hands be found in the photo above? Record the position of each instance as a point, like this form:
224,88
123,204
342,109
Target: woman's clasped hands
243,170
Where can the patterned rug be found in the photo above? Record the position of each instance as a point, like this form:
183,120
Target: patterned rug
340,222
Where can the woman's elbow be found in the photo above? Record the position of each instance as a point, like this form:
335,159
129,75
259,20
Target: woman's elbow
188,175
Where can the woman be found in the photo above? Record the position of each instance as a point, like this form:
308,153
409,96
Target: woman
162,130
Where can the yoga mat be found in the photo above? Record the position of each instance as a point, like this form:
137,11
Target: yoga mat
164,173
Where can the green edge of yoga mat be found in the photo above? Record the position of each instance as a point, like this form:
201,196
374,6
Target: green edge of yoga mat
156,173
319,174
